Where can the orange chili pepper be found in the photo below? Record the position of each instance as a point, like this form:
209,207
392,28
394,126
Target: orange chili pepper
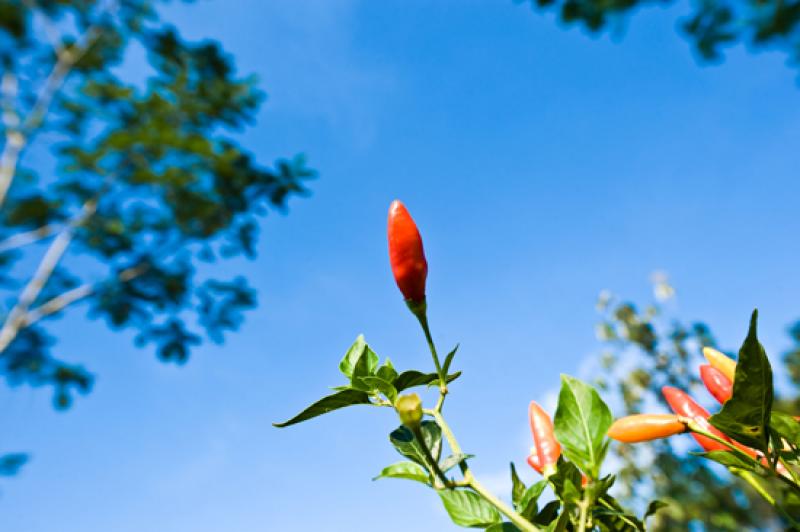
645,427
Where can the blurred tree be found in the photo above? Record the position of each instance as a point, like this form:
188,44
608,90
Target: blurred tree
710,25
645,350
145,180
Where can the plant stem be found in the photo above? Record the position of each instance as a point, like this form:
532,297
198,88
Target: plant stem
472,482
756,485
583,507
451,439
422,316
513,516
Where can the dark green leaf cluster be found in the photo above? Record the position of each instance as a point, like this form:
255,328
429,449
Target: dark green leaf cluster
149,178
710,26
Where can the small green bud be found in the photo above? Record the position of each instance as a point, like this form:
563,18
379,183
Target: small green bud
409,408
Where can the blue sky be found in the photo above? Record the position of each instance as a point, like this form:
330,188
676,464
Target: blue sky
542,166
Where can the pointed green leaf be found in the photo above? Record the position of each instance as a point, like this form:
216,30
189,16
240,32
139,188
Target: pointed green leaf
517,486
453,460
328,404
785,426
380,385
529,502
351,357
449,360
548,514
745,416
566,482
467,508
366,366
387,371
406,444
411,378
407,470
654,507
612,516
581,422
730,459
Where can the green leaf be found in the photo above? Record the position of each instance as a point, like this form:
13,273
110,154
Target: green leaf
453,460
785,426
503,527
411,378
581,422
467,508
328,404
548,513
730,459
406,444
529,501
387,371
745,416
380,385
351,357
561,524
449,360
566,482
366,366
517,486
654,507
407,470
612,516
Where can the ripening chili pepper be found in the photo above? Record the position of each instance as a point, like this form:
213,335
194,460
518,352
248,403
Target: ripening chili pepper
645,427
546,446
683,405
716,383
721,362
406,255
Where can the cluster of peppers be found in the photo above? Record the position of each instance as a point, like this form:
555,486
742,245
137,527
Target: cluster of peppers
717,376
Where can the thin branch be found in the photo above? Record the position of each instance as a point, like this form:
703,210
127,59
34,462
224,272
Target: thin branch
16,318
28,237
15,140
17,136
56,304
74,295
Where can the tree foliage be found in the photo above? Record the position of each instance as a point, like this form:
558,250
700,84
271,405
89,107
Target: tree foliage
710,25
146,178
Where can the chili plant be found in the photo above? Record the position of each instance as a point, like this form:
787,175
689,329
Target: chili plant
746,436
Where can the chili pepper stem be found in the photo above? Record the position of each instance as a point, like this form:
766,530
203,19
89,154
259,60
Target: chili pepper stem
420,310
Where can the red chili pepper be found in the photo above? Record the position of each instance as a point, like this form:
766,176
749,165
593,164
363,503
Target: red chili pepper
683,405
645,427
406,254
547,449
716,383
